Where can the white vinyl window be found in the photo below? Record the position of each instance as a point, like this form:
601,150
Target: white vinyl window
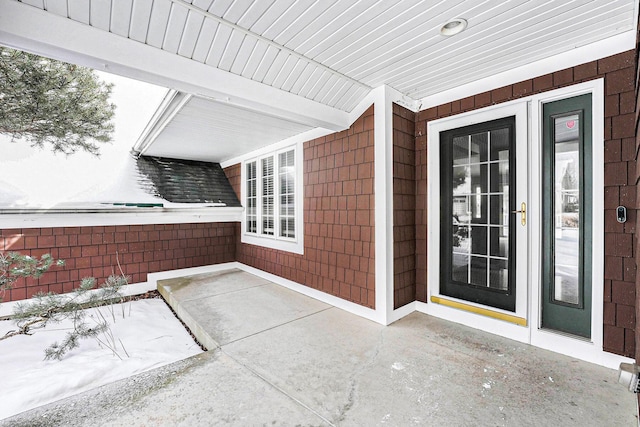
273,201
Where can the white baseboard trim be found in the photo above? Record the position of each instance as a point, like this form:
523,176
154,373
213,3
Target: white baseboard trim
350,307
337,302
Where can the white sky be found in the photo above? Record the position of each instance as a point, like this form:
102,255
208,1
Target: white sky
44,179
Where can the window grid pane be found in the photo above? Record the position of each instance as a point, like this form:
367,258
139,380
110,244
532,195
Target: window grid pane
286,173
252,197
268,224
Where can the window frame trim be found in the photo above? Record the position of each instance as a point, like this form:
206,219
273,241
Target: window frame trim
295,245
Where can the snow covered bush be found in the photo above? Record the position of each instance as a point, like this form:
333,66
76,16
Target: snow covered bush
50,308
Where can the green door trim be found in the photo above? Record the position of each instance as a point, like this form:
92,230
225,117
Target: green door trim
560,316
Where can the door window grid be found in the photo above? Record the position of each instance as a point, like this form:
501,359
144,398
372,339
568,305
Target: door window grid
481,209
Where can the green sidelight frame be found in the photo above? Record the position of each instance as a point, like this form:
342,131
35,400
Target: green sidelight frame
566,317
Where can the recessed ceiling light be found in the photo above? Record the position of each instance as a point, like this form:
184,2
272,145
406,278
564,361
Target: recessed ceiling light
453,27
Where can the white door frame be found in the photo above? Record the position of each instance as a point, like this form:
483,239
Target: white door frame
590,349
501,322
528,112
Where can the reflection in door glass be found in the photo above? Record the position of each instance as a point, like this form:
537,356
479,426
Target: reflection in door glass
566,202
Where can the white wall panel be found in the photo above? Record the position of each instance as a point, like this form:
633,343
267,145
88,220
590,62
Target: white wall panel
175,28
255,12
140,17
158,22
302,77
121,17
359,26
299,18
36,3
333,15
310,83
285,71
100,14
58,7
219,7
220,40
326,89
294,75
275,67
244,53
205,40
236,10
254,60
202,4
271,15
190,35
231,50
265,63
318,84
79,10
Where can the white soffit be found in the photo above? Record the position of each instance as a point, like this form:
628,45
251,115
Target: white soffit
213,131
309,62
334,52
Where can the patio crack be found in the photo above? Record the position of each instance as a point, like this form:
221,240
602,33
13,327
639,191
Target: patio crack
279,389
353,379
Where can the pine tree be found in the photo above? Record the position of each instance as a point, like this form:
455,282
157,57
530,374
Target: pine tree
52,103
14,265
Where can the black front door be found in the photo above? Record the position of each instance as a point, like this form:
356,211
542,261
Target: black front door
477,196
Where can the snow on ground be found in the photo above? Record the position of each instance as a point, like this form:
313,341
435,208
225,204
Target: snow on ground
149,331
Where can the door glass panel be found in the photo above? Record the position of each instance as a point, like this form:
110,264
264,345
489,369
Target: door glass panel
461,180
499,212
567,209
479,178
479,147
460,268
500,144
498,271
461,150
478,271
499,242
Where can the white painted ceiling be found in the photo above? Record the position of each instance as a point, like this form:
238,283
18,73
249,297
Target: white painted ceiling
329,53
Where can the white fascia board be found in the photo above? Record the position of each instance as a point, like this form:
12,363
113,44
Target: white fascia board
170,106
582,55
28,28
137,216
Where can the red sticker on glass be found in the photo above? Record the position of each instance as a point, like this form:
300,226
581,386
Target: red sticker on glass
571,124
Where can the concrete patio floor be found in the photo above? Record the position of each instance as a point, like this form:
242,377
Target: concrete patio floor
280,358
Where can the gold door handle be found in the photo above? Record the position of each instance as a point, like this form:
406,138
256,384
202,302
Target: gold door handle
523,213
